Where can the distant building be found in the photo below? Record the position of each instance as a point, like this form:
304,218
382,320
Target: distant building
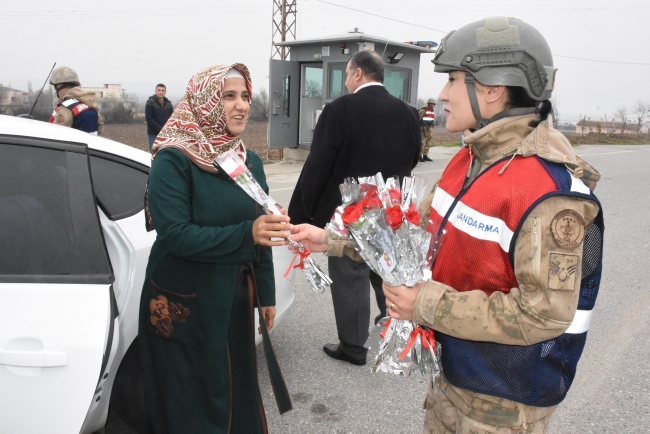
108,91
12,99
588,125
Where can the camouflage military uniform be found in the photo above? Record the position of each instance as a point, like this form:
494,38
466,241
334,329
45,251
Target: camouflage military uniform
64,115
528,314
427,134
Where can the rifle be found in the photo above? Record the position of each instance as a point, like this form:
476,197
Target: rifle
29,114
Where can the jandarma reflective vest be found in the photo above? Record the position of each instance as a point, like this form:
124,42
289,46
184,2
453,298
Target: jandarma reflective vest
429,116
482,222
85,117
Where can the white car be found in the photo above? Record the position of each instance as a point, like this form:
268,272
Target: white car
73,254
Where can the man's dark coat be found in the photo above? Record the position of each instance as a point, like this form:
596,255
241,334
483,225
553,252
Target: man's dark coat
157,115
356,135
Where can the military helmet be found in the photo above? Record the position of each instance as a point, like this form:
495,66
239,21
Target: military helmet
431,101
500,51
63,74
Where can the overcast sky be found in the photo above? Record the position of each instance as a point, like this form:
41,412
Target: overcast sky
140,43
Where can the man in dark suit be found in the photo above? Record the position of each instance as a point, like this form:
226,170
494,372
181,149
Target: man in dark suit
359,134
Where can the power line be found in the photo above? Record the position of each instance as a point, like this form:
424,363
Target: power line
381,16
443,31
602,61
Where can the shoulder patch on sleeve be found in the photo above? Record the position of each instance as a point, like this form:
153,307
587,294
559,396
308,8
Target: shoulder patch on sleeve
568,229
562,271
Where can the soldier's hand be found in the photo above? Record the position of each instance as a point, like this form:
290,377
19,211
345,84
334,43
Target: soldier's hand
312,237
401,299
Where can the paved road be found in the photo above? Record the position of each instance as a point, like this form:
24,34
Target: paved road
611,393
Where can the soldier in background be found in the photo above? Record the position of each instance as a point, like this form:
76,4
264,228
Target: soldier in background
75,108
427,118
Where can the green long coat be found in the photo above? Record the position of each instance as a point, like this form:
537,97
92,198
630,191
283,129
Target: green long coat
196,335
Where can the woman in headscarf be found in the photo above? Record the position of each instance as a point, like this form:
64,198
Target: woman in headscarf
196,334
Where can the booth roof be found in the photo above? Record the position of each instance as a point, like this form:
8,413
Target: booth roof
355,37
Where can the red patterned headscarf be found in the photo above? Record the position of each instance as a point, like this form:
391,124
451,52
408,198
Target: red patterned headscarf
198,126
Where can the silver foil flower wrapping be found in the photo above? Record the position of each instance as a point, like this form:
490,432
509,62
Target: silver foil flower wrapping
230,164
383,221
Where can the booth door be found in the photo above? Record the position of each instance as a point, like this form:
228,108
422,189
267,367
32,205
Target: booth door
311,101
283,100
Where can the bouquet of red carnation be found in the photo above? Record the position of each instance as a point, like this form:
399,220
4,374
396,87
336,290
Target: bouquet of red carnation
231,164
383,221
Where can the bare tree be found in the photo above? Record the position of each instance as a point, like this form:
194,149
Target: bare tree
260,105
2,94
313,88
641,110
621,113
439,110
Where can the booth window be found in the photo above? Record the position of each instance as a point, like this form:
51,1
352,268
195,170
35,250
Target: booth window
313,82
397,82
336,80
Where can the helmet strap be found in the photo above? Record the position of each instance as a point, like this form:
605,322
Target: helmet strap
473,99
483,122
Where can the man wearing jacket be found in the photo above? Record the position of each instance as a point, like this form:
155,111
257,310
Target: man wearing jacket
156,111
360,134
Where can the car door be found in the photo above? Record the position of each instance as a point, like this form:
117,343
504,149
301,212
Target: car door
56,292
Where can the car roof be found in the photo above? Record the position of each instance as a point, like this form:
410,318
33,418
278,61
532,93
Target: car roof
13,126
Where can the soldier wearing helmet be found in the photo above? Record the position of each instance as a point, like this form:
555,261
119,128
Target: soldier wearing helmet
427,119
512,287
75,108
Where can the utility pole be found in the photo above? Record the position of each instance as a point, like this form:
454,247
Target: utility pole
283,28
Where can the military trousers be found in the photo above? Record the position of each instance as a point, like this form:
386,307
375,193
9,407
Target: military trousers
452,410
427,140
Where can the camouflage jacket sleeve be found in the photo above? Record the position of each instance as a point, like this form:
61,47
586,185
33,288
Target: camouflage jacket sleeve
338,246
63,116
542,307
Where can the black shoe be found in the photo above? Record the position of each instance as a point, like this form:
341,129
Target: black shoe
422,160
335,352
426,158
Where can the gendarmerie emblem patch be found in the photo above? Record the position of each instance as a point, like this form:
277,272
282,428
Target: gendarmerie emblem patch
562,271
568,229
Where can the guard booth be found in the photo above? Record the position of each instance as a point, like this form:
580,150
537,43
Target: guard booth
315,75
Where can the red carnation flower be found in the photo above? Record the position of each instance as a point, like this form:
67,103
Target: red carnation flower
394,217
371,201
352,214
395,195
412,215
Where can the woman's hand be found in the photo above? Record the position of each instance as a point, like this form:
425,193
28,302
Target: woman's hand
271,226
312,237
268,312
401,299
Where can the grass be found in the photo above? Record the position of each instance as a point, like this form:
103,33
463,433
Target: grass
608,139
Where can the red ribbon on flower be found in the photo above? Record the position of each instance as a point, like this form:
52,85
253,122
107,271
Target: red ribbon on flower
428,340
394,217
302,255
352,214
383,332
412,215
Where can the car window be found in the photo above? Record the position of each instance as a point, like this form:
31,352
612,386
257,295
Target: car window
48,218
119,187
